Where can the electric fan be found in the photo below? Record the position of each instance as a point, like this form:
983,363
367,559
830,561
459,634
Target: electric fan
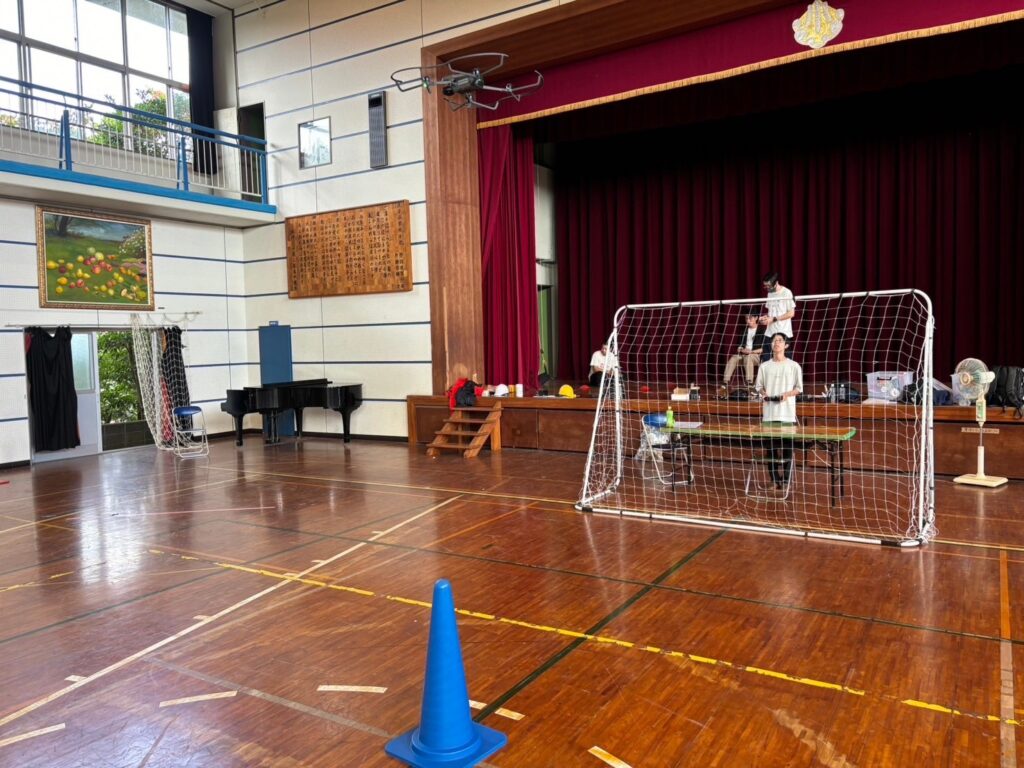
973,379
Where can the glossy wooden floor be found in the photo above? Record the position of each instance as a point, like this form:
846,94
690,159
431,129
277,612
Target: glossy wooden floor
130,582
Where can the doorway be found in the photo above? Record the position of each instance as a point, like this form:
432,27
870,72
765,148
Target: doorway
123,422
251,123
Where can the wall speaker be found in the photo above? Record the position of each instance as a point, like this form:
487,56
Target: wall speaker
378,130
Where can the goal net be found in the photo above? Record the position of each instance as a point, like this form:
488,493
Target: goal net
160,365
857,462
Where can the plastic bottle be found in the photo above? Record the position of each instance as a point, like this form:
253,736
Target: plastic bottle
670,419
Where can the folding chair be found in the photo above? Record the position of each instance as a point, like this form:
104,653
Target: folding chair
657,447
765,460
190,440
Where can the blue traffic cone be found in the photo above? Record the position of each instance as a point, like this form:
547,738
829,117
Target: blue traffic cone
447,736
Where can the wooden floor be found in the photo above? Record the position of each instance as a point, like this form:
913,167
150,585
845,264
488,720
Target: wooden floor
131,582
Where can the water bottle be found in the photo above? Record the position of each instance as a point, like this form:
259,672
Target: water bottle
670,419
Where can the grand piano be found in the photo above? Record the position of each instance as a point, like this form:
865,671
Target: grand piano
270,400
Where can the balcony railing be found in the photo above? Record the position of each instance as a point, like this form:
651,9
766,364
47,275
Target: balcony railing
45,126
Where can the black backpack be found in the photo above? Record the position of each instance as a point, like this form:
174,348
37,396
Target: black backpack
466,397
1007,389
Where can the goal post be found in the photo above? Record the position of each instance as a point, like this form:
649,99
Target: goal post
163,384
857,462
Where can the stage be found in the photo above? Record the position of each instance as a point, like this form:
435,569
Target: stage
560,424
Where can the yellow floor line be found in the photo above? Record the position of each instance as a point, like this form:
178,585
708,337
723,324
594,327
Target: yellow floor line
604,639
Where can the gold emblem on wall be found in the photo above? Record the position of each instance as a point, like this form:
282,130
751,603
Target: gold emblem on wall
819,24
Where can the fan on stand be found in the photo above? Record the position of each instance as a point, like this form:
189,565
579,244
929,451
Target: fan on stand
973,379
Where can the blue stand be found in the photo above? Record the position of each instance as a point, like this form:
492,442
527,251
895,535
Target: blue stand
447,736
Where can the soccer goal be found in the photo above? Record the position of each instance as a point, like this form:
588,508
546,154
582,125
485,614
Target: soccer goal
160,365
857,462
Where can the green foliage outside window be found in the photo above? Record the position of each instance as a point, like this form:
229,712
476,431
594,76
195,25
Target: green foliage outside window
114,131
120,395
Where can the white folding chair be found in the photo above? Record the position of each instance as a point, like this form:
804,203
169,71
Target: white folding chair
657,447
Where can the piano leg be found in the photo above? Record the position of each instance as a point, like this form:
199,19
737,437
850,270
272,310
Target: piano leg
346,415
238,430
270,428
298,423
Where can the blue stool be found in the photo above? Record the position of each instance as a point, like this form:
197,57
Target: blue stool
190,432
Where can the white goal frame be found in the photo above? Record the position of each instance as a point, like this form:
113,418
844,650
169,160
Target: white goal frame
608,478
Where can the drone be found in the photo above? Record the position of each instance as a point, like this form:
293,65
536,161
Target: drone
464,85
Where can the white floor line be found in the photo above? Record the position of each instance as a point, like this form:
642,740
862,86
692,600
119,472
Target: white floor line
74,678
31,734
200,624
608,758
352,688
200,697
499,711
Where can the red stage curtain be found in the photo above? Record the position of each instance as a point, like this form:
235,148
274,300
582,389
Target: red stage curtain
916,188
512,335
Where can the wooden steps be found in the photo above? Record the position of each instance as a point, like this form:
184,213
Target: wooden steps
468,430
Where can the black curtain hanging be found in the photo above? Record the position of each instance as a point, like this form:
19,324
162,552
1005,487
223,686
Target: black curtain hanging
200,92
172,372
51,383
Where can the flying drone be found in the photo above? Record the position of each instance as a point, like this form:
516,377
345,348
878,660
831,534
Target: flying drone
464,85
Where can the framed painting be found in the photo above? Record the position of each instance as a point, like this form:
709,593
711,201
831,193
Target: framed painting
93,261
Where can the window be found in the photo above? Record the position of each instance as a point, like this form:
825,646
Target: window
9,15
179,46
51,21
81,361
315,143
99,29
147,37
65,43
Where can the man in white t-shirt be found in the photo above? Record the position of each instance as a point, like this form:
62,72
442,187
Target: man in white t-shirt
599,362
780,309
779,381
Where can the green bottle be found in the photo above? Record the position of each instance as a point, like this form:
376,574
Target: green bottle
670,419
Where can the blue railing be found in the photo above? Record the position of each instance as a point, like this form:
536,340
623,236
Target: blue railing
71,132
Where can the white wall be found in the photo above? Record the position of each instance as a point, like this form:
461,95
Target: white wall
306,59
303,59
195,267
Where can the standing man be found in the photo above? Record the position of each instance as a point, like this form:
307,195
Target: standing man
748,352
780,308
779,381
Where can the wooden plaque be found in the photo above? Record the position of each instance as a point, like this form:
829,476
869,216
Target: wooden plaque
348,252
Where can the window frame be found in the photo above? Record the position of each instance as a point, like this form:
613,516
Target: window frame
126,71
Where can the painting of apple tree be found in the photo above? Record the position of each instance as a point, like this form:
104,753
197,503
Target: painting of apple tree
90,261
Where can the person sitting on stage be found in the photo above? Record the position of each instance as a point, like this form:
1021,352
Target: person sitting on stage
748,352
780,309
779,381
600,361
